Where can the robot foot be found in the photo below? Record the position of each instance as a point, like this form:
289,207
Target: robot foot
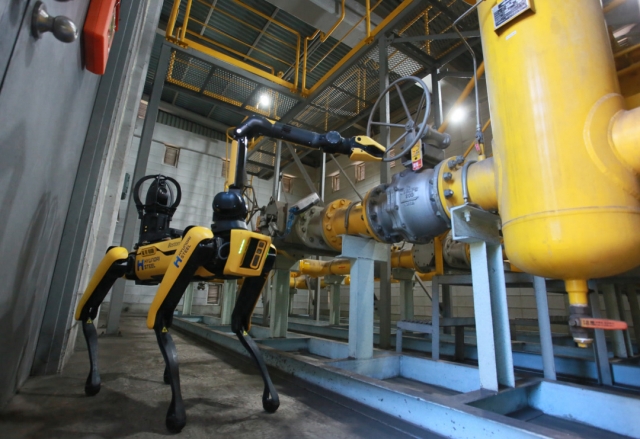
175,422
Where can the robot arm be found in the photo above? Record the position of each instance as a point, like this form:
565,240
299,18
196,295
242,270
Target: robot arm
357,148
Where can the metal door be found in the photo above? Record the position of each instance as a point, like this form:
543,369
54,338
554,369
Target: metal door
46,100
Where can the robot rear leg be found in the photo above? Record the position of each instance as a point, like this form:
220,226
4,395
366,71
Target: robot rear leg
112,267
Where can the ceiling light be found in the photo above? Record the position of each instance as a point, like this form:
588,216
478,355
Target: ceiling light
457,115
264,101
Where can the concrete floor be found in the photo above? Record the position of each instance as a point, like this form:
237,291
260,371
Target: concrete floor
222,394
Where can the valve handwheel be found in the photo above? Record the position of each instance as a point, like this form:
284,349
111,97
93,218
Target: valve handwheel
415,127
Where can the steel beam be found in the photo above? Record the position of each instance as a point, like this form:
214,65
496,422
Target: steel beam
279,303
228,301
612,312
436,98
634,306
259,37
208,99
435,317
303,171
623,317
600,342
384,306
434,37
334,283
416,54
187,300
462,75
206,21
405,276
456,53
193,117
500,310
484,316
275,193
544,326
131,218
363,253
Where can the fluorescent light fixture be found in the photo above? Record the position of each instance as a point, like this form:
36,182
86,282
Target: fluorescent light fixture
457,115
264,101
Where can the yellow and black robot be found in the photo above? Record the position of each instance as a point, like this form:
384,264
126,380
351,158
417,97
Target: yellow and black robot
228,250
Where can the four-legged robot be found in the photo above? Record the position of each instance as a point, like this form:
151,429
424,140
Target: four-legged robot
226,251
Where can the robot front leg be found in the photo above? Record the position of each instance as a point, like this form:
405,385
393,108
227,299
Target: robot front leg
192,253
241,323
112,267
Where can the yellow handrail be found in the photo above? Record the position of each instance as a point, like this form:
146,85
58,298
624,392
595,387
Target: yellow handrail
215,43
172,19
181,39
283,26
611,6
323,36
187,13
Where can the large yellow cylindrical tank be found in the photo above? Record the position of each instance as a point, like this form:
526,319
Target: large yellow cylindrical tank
570,205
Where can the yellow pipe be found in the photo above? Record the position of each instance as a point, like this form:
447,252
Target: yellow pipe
626,51
344,217
625,135
304,59
465,93
565,162
300,283
611,6
481,183
316,268
172,18
186,20
632,68
402,259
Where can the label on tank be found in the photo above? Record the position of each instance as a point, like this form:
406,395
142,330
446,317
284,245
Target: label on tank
507,10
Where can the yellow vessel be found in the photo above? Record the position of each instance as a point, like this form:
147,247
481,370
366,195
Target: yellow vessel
566,151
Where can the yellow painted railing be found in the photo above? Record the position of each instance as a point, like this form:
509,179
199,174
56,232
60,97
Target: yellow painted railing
181,35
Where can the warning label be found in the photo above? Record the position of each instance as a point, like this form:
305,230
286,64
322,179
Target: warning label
507,10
